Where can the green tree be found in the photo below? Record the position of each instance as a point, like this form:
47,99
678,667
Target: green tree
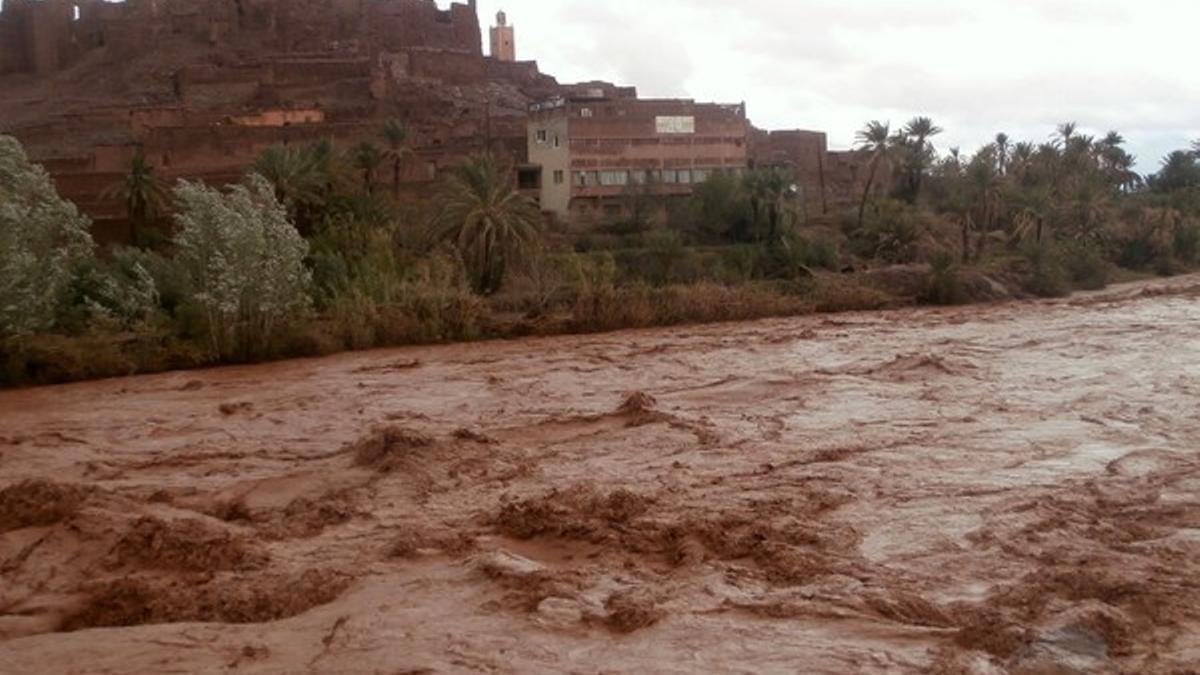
984,190
1180,171
295,174
1066,131
43,241
719,210
1003,147
770,192
141,192
366,158
395,135
874,141
493,225
918,155
1117,164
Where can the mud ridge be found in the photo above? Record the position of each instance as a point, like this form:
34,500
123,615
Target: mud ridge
136,601
38,503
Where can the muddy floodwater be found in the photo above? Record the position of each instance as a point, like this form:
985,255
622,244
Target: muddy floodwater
1005,489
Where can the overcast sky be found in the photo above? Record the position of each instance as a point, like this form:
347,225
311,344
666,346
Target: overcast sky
976,66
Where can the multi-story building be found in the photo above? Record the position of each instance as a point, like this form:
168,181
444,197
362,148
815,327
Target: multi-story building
595,145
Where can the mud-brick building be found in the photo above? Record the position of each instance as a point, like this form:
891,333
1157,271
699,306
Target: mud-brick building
803,154
590,148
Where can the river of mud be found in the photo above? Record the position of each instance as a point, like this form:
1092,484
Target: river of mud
1006,489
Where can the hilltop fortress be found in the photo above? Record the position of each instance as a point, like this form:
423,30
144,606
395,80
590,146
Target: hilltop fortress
44,36
201,87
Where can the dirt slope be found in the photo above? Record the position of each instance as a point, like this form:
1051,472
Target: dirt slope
1013,489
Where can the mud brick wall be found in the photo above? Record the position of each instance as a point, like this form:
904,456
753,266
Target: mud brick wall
13,56
451,67
804,153
523,75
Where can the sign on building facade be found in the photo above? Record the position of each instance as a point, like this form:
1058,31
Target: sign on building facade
675,125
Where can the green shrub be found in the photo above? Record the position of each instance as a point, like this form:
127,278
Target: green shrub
1187,242
738,264
1137,251
892,233
1085,266
1046,275
945,288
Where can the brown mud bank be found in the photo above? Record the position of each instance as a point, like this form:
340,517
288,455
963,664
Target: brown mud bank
1009,489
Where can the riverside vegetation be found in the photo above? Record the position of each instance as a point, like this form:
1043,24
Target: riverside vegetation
307,257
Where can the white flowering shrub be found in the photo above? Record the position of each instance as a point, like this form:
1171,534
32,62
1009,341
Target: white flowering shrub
123,292
43,241
245,263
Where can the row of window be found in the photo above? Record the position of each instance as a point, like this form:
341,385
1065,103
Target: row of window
582,143
637,177
543,136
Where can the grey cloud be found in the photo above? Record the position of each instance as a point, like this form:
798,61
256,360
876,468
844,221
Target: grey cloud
978,67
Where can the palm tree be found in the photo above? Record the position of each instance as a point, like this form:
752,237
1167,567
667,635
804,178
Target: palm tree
769,191
955,157
366,158
296,174
916,135
985,199
142,193
395,134
1002,152
1118,165
874,140
1180,171
1021,159
1066,131
488,220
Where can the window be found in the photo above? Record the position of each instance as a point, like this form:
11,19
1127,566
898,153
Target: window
556,141
585,178
585,112
670,176
614,177
645,177
701,175
558,177
541,135
684,176
529,179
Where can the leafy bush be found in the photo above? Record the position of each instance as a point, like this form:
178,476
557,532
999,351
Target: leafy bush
244,261
44,240
116,296
1085,266
891,233
796,256
1047,278
945,288
1187,242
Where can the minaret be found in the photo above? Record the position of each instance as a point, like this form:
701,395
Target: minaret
503,39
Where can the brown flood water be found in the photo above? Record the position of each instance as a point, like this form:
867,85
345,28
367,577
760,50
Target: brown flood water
1007,489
